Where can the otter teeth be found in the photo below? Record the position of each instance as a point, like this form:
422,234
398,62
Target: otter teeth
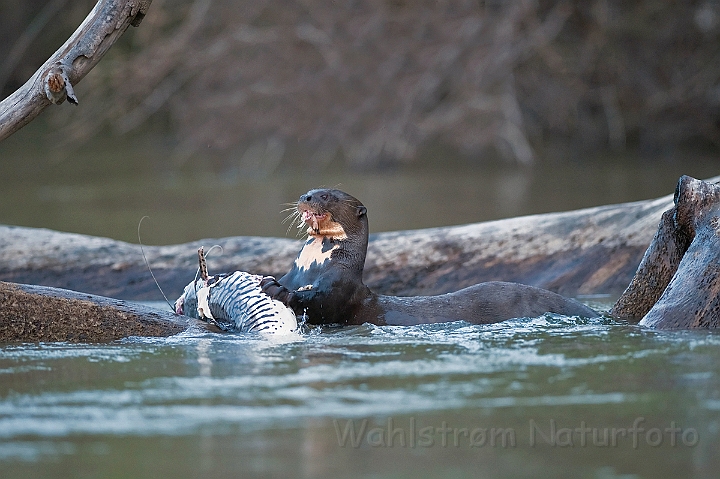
307,215
311,219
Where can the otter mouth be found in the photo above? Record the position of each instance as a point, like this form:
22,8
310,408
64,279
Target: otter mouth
321,224
312,219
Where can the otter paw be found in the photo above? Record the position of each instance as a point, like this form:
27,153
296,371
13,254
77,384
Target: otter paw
268,281
275,290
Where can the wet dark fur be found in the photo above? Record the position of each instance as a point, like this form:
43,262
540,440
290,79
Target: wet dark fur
332,291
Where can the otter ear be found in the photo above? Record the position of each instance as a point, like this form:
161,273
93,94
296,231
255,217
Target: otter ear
361,210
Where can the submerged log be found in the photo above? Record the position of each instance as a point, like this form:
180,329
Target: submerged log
36,313
677,284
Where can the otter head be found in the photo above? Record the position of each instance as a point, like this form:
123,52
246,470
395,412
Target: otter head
333,214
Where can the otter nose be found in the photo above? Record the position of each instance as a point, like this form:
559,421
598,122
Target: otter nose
307,197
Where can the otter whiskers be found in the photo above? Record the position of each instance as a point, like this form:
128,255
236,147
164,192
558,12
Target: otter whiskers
293,217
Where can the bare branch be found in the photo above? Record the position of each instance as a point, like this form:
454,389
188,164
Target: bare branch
53,81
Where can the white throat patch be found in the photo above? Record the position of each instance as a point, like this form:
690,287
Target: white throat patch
312,252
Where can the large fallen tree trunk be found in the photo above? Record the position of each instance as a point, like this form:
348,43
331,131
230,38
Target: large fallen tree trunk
53,81
583,252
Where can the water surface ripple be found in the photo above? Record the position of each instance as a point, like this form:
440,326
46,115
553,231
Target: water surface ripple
93,404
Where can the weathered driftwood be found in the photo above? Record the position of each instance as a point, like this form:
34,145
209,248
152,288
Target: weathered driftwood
53,81
589,251
584,252
116,269
36,313
677,284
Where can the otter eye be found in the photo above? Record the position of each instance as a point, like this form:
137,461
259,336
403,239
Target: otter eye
324,197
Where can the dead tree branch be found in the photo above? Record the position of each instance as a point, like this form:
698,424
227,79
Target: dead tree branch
53,81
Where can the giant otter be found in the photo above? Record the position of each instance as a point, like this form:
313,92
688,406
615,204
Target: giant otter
326,279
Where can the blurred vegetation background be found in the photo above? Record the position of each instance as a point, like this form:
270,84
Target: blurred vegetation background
252,89
376,82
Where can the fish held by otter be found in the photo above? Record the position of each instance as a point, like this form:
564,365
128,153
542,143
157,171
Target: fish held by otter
325,281
234,302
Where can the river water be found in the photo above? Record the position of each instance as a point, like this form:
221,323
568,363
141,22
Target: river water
536,397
